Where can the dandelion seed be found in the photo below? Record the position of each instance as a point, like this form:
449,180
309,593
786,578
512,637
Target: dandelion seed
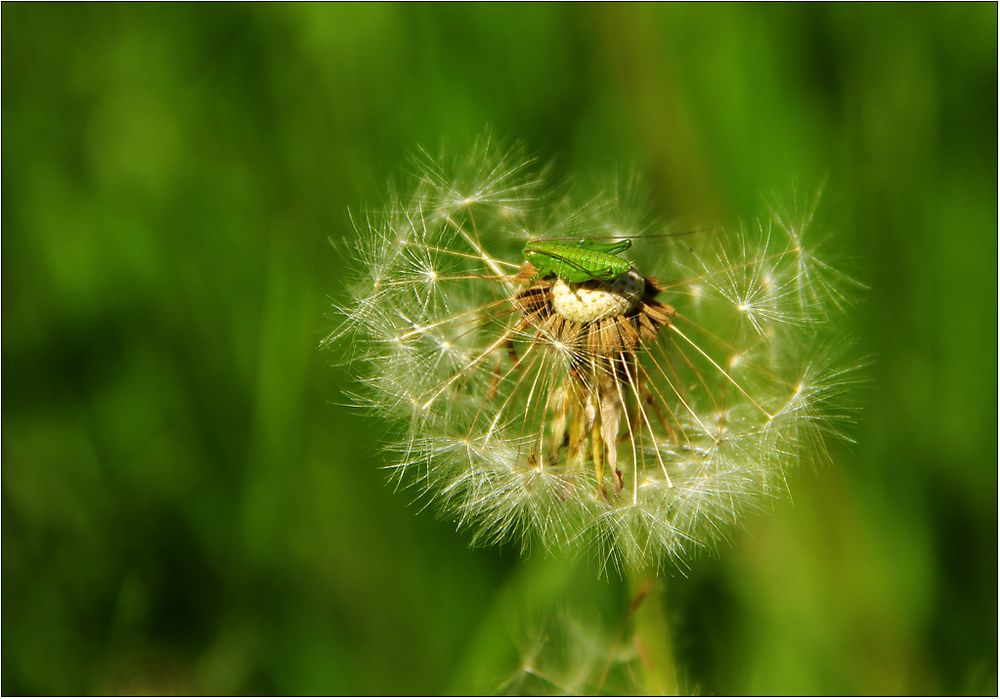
637,408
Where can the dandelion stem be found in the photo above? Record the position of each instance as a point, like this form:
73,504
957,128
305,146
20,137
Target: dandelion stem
653,642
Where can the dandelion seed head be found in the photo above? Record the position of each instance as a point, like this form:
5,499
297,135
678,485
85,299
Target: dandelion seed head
636,419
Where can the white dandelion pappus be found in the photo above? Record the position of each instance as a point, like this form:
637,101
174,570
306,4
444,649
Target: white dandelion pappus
642,414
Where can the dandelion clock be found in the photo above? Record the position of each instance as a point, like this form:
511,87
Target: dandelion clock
568,376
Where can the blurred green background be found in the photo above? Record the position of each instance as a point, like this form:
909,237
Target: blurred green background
188,508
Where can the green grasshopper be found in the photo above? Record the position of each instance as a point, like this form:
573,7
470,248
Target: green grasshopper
578,262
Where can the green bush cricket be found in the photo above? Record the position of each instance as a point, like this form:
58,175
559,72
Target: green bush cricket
578,262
